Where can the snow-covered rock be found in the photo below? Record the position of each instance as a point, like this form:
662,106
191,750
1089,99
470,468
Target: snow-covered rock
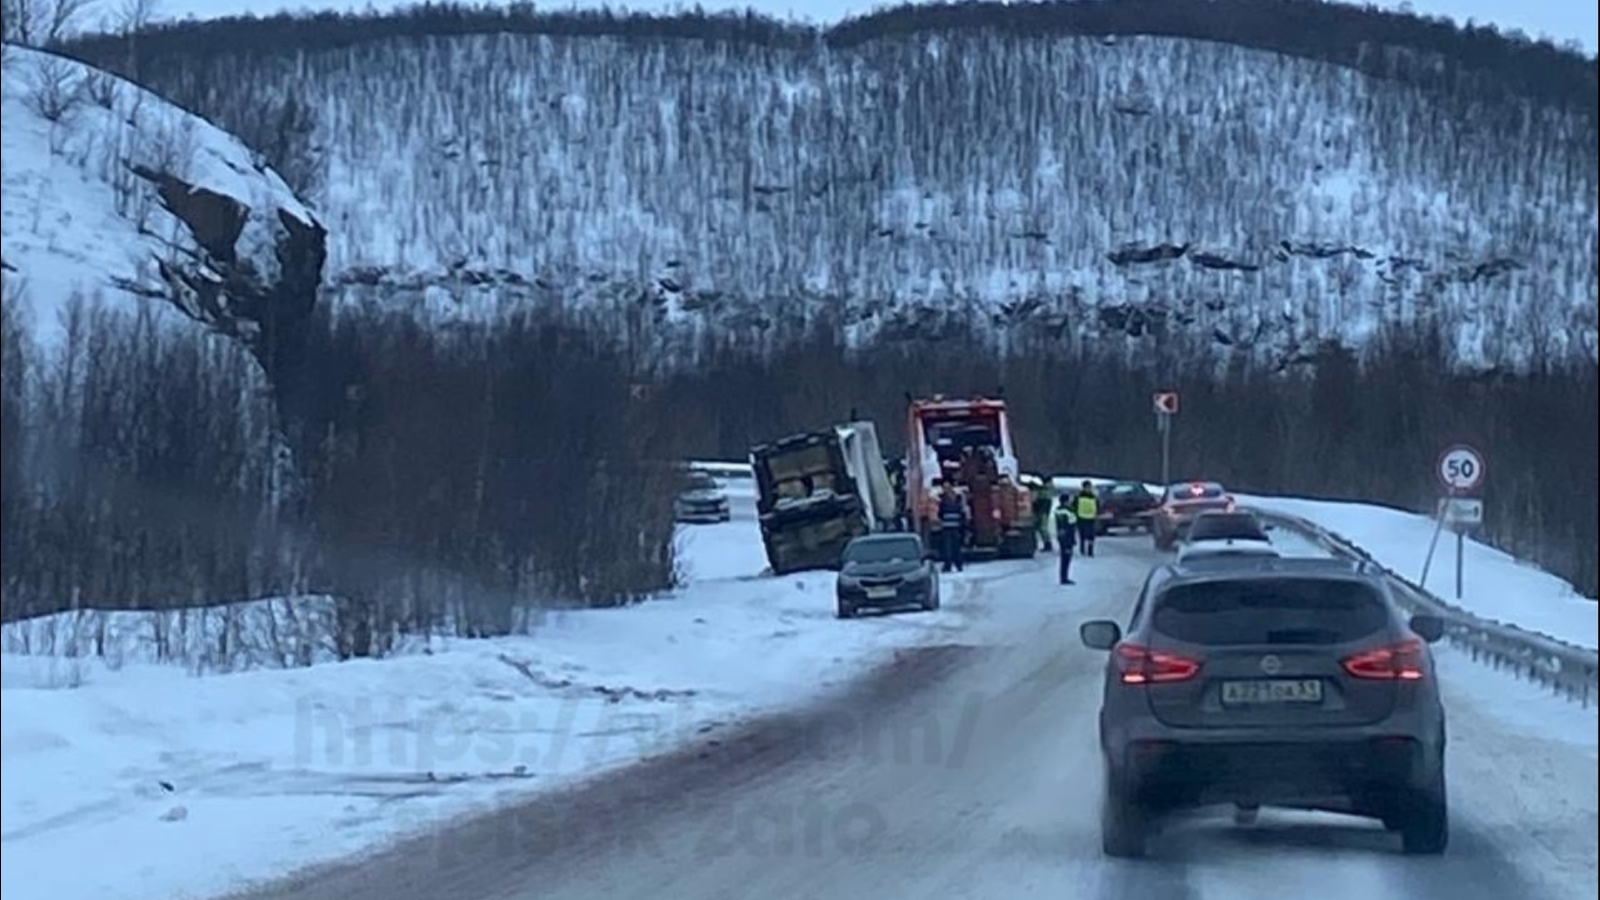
113,194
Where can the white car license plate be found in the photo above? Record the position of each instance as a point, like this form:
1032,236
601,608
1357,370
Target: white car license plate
1275,690
880,593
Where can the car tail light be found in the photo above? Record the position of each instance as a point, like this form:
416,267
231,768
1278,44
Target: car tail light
1397,662
1138,664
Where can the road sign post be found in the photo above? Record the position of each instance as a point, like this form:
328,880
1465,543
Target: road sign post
1165,404
1461,470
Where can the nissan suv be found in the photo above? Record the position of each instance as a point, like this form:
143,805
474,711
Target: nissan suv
1274,682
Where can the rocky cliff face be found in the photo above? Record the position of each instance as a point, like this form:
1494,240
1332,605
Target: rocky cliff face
117,197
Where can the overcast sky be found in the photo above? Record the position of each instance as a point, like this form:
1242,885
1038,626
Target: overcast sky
1560,20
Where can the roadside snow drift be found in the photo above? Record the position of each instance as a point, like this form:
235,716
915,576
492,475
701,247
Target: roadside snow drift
1496,585
111,192
188,786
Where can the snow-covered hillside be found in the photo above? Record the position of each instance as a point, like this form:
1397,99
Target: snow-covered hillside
117,196
1124,186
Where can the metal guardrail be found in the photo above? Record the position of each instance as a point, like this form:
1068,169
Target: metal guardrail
1566,669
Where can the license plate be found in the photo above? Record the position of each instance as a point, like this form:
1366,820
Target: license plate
1278,690
880,593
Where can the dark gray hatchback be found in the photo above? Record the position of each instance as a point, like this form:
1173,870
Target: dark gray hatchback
884,571
1285,682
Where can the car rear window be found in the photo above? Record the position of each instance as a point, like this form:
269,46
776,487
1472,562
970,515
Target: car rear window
1218,527
1270,611
1195,491
897,550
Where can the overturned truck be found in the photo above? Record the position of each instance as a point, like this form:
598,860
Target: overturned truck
818,490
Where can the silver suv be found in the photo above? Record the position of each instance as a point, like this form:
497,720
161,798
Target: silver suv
1287,682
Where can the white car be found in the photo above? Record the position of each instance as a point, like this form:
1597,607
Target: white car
705,502
1227,534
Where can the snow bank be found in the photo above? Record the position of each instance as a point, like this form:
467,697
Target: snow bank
188,786
1498,587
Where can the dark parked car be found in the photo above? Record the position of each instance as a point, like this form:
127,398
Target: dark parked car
1180,503
1294,683
886,571
1126,504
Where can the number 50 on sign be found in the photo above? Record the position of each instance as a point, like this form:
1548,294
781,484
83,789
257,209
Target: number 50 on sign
1461,468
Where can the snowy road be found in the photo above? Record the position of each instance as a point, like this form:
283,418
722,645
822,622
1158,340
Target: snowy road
970,771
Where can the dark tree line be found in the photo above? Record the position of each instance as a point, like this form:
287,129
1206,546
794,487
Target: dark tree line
1430,52
457,481
139,467
434,482
1377,41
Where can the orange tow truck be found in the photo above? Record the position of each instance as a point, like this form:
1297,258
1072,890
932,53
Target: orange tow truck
968,442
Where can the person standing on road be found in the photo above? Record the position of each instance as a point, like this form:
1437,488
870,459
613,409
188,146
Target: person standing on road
952,523
1066,525
1088,510
1042,503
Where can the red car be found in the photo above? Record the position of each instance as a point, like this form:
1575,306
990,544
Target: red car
1126,504
1180,504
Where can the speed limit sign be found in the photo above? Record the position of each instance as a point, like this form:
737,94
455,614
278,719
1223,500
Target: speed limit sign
1461,469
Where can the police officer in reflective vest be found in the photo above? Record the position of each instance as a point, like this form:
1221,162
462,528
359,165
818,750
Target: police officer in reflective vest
1066,535
952,524
1088,510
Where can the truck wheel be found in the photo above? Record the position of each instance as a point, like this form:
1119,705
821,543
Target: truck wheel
1024,546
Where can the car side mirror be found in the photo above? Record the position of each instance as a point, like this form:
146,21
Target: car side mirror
1429,628
1100,634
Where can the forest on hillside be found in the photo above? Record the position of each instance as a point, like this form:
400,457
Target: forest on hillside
964,175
